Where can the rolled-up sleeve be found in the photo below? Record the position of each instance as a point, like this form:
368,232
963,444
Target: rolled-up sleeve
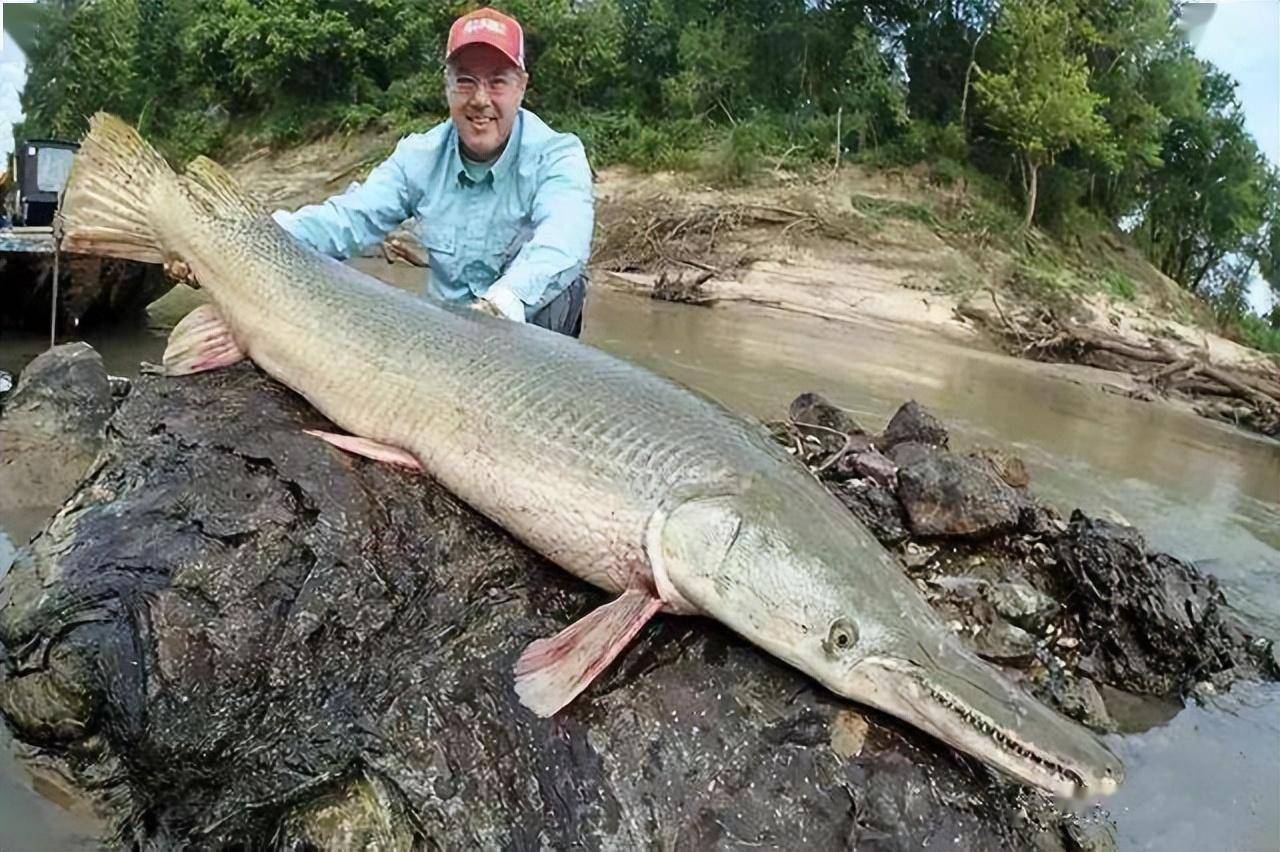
348,223
563,216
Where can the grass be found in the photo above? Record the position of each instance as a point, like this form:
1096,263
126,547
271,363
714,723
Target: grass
1258,333
877,208
1044,277
1120,286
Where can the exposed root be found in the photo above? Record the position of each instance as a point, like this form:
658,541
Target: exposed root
1245,398
668,234
675,288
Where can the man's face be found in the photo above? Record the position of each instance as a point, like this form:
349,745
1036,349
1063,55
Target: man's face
484,89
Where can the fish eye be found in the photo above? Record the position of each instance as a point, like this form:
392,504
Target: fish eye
842,636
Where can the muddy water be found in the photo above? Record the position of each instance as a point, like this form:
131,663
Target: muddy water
1203,778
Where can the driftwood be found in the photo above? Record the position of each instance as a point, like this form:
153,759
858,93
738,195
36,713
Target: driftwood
1254,399
669,234
676,288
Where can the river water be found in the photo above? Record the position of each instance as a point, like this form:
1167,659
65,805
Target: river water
1202,778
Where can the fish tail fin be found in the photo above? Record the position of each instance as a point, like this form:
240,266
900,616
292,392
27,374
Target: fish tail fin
213,188
116,185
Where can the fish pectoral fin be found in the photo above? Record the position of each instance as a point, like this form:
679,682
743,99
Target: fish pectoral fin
201,341
686,541
369,448
551,672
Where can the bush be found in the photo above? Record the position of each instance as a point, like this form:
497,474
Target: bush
193,132
739,155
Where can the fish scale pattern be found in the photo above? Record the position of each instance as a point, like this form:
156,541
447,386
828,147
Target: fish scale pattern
567,446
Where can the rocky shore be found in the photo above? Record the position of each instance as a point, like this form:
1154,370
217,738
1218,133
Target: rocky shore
233,635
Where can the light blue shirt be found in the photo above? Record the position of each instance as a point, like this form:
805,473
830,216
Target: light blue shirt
527,223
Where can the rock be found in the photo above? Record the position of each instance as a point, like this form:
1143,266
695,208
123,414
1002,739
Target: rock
1078,698
120,387
875,506
53,426
1153,624
271,642
848,733
917,556
872,465
1003,642
1008,467
1039,520
949,495
1022,604
6,383
913,423
909,452
1091,833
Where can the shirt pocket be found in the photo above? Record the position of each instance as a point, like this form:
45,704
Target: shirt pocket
439,239
506,240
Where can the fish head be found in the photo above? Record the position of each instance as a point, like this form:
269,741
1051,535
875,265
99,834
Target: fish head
797,575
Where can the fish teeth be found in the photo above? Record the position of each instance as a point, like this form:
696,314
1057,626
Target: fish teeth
1005,741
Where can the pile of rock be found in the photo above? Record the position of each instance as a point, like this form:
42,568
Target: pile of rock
1072,604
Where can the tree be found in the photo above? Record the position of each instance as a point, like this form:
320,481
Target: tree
82,61
1038,95
1210,200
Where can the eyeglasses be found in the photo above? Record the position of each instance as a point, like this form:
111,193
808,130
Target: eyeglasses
465,85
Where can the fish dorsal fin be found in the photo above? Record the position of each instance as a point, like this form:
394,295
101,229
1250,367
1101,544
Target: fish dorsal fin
214,187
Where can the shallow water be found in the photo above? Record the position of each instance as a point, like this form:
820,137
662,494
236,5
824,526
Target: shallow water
1209,778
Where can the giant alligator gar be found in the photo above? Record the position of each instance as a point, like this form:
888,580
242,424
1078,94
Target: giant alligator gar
630,481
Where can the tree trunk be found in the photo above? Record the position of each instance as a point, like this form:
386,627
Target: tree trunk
968,74
1033,173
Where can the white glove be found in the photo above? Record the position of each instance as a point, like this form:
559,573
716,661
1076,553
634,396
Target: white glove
500,301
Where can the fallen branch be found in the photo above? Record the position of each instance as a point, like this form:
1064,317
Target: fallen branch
1228,393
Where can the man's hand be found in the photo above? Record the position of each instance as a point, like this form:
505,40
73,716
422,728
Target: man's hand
499,301
179,272
396,248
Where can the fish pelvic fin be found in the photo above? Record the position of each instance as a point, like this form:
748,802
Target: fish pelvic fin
201,341
369,448
552,672
116,186
212,187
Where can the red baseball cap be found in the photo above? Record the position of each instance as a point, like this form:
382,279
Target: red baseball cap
491,27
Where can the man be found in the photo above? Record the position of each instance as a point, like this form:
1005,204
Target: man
502,202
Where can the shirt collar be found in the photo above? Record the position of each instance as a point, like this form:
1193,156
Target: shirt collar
505,162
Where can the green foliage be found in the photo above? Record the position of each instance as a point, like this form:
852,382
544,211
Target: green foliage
1038,95
1213,194
876,208
1104,109
1257,332
1120,285
82,62
739,155
1044,278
